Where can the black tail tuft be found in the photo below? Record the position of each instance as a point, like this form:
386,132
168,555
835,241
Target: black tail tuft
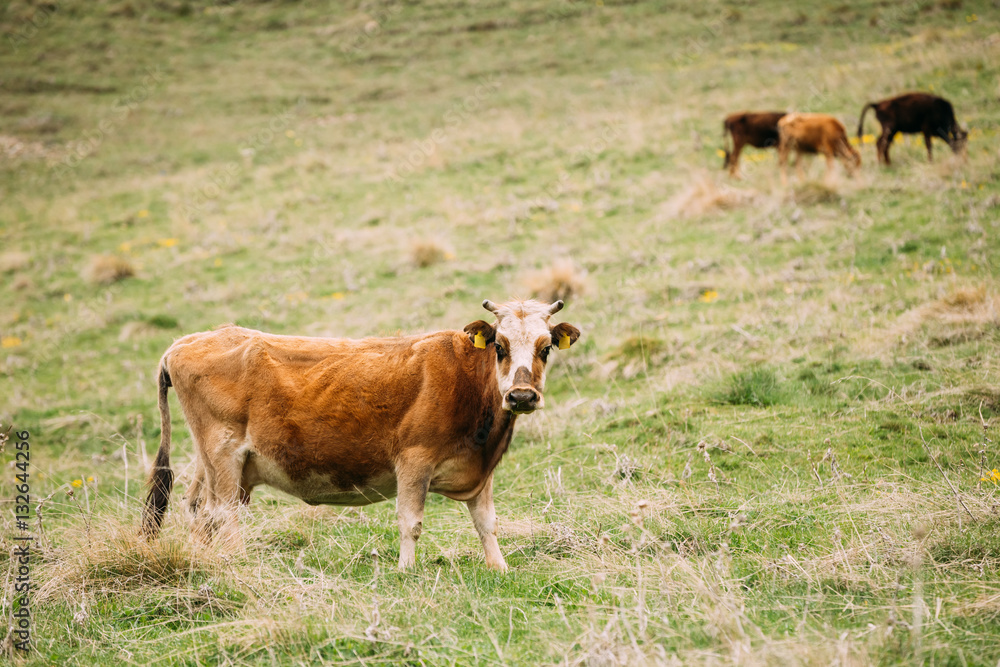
161,478
161,482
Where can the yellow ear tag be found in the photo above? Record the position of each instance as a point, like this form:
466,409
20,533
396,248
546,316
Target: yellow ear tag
479,341
564,342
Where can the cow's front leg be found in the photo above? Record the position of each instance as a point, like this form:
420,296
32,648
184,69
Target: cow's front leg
484,516
412,484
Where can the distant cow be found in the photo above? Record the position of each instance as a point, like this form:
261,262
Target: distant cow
914,113
351,422
758,129
814,133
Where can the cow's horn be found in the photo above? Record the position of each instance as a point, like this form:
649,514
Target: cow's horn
556,307
490,306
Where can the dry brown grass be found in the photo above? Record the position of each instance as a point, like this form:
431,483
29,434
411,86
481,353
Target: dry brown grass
108,269
706,195
14,261
811,193
562,279
121,559
965,314
427,252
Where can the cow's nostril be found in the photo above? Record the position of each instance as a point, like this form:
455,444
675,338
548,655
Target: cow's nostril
523,398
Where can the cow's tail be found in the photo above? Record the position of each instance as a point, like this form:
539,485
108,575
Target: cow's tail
726,131
861,121
161,477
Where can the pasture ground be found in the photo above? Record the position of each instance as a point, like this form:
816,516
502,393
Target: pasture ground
775,442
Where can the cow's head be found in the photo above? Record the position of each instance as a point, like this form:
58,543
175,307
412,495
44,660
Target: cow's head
522,339
958,139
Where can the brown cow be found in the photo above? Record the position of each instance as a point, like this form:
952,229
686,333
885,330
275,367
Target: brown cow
814,133
352,422
756,128
914,113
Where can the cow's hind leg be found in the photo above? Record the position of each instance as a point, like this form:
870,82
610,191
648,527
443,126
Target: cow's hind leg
412,483
829,166
883,145
193,500
223,458
484,517
734,159
927,143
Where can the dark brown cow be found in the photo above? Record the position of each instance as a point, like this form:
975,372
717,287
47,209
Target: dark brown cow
914,113
352,422
755,128
813,133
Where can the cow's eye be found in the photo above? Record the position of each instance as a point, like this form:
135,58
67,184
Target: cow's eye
501,353
544,354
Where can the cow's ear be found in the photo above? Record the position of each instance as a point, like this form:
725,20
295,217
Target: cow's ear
480,333
564,334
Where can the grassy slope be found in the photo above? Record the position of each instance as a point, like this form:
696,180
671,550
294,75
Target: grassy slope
850,312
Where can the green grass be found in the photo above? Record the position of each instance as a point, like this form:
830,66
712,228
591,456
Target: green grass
739,461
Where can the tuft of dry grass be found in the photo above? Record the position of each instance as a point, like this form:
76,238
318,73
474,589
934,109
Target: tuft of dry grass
108,269
706,195
123,560
811,193
964,314
427,252
562,279
134,330
14,261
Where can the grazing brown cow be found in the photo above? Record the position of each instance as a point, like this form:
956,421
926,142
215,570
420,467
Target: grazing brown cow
814,133
756,128
351,422
914,113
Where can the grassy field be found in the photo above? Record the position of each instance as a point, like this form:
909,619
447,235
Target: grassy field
774,443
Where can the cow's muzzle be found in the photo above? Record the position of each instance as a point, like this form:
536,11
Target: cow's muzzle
522,400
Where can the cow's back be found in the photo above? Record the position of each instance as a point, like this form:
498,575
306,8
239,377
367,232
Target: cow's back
910,112
812,132
759,129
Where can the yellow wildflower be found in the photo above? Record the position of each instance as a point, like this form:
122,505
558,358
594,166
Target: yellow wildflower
76,483
142,214
708,296
167,243
10,341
